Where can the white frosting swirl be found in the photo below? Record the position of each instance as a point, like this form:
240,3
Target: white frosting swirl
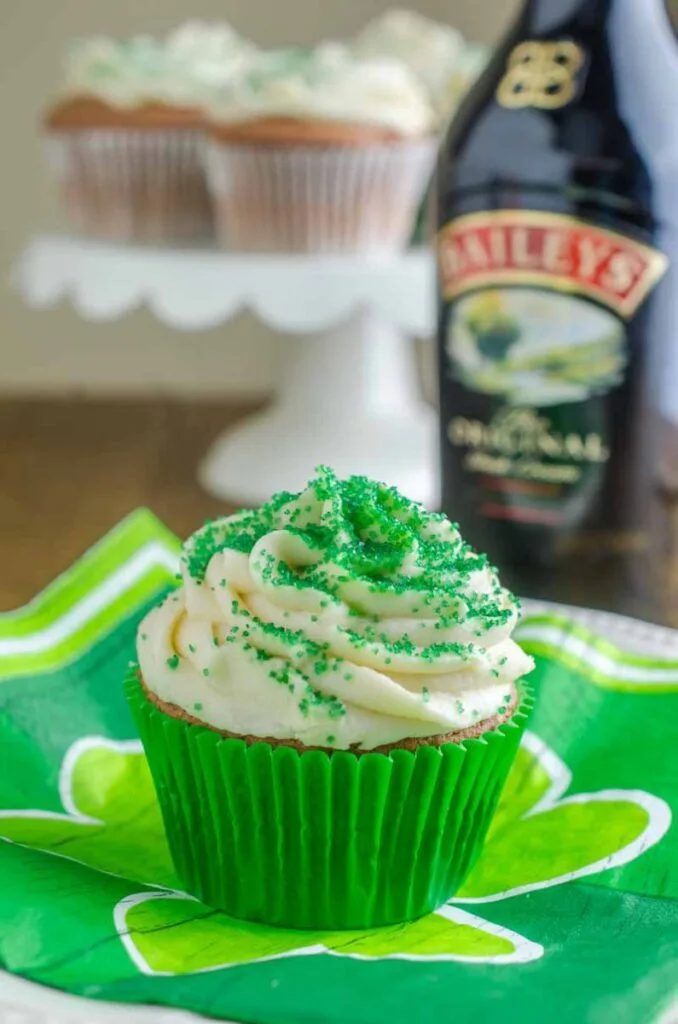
209,54
328,83
186,68
343,617
437,54
454,88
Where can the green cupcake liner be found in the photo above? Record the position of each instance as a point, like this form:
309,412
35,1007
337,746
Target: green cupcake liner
317,840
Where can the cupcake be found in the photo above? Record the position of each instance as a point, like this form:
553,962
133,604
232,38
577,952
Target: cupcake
126,137
320,151
330,704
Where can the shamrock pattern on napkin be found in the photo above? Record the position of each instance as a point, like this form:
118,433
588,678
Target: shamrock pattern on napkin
542,836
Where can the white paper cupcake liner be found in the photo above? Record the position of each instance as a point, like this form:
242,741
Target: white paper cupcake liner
318,199
133,184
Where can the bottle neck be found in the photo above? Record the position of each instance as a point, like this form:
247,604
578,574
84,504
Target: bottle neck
543,17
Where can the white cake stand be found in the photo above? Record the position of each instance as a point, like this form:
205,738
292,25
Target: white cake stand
348,392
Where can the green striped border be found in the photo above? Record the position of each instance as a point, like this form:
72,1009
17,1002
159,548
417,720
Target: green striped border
137,561
560,639
123,572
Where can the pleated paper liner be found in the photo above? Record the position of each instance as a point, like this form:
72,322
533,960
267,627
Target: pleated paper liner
294,198
133,185
317,840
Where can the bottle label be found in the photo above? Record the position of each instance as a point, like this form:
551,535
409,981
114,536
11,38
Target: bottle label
551,250
535,348
531,468
541,74
535,311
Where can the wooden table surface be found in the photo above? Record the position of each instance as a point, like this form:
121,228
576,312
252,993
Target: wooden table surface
71,469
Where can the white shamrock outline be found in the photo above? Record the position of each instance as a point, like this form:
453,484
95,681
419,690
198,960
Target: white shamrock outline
657,810
525,950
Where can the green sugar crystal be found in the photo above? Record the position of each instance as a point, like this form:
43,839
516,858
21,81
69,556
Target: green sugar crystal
360,531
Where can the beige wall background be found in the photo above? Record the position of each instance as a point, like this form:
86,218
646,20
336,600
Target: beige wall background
55,351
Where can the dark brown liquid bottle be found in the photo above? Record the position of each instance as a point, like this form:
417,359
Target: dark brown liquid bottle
557,306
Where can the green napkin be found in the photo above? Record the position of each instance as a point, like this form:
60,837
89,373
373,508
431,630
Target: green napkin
570,914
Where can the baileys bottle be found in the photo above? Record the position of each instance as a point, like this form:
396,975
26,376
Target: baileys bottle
557,249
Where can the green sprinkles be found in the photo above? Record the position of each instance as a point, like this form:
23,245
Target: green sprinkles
192,648
197,706
361,533
205,671
425,694
173,661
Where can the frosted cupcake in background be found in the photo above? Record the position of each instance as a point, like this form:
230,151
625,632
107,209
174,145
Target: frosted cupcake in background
443,61
320,150
125,137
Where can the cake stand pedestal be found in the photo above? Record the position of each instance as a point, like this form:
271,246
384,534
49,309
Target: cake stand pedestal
347,397
348,392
